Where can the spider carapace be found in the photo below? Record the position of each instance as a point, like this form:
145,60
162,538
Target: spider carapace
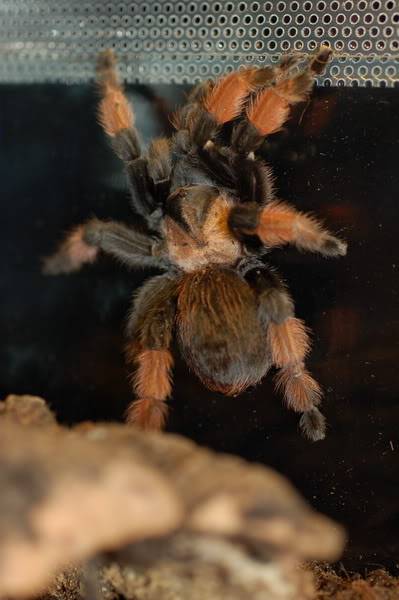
211,215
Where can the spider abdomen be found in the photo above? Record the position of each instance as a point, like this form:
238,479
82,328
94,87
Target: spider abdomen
219,330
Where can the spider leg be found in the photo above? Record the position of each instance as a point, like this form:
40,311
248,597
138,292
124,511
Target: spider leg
278,223
114,112
149,332
210,105
148,175
289,344
269,110
82,245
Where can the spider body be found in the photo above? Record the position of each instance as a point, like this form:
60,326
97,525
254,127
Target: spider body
211,217
223,342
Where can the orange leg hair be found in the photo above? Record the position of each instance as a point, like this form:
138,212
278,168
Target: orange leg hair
289,343
71,254
225,100
152,385
114,112
271,107
280,224
150,330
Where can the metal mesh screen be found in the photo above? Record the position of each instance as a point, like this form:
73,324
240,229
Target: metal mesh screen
185,41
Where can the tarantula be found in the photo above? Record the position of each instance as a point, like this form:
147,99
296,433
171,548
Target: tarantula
211,216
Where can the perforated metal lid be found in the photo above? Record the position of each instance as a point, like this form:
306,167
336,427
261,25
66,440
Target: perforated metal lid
186,41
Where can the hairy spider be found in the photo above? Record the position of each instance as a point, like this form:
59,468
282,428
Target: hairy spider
211,216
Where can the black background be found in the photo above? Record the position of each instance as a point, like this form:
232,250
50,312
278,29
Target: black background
62,337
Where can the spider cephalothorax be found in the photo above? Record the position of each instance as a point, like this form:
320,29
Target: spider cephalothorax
211,214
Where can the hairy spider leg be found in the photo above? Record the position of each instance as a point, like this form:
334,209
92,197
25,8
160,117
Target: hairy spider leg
289,343
278,223
226,98
148,175
271,107
210,105
149,332
115,114
267,111
82,245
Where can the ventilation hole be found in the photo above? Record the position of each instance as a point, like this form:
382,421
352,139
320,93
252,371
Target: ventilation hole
376,71
294,5
300,19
